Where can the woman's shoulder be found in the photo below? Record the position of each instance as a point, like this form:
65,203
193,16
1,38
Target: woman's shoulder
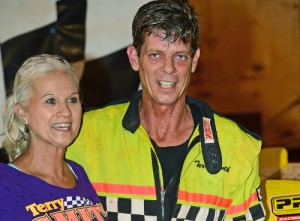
7,172
11,180
75,166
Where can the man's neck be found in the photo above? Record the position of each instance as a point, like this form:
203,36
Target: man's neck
167,125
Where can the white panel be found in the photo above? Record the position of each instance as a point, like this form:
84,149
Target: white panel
18,17
109,26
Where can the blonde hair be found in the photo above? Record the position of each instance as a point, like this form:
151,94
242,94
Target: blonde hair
16,133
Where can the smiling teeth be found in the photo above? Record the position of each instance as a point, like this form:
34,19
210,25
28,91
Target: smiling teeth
62,126
166,84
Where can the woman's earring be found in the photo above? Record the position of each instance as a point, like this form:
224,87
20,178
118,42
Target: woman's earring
26,129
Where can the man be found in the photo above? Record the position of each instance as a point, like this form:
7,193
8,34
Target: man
163,155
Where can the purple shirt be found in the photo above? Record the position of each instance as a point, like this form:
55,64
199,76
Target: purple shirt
25,197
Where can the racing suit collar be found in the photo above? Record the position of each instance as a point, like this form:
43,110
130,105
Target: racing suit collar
131,119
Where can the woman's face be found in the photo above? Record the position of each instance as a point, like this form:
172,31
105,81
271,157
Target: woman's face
53,111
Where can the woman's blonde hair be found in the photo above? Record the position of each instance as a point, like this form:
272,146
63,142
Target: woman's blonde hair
16,133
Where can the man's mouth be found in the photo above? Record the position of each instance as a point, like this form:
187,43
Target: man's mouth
166,84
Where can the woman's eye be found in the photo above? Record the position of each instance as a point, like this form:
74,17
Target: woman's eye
73,100
51,101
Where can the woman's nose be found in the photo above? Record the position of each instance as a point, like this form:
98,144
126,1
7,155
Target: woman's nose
64,109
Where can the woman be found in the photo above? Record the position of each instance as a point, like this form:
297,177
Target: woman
42,117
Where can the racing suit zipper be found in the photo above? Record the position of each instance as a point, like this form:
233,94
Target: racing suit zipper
160,191
162,199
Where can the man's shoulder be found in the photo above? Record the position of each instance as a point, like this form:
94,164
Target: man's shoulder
234,138
223,123
113,107
227,124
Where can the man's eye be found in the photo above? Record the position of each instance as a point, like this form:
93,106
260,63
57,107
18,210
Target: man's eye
51,101
181,57
73,100
154,55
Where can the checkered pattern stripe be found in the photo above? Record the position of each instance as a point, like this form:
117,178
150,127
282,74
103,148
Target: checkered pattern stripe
77,201
191,213
124,209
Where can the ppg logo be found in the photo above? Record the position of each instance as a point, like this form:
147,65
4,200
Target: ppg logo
286,205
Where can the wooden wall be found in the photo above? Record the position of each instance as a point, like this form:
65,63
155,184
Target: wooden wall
249,66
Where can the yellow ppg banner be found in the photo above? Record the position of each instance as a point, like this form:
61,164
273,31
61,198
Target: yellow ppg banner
283,200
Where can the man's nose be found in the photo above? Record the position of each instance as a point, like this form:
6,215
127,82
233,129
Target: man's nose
168,65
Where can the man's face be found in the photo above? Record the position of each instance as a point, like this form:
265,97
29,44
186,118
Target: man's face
165,69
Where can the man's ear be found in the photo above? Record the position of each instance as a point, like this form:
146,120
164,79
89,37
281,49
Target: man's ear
195,60
133,57
20,112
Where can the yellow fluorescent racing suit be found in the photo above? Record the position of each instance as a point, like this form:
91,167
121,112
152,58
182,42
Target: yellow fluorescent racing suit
219,179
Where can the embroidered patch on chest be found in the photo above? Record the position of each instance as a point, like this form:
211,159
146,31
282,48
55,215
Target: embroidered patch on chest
208,134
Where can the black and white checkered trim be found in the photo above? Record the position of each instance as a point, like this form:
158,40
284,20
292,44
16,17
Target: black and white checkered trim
125,209
77,201
191,213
